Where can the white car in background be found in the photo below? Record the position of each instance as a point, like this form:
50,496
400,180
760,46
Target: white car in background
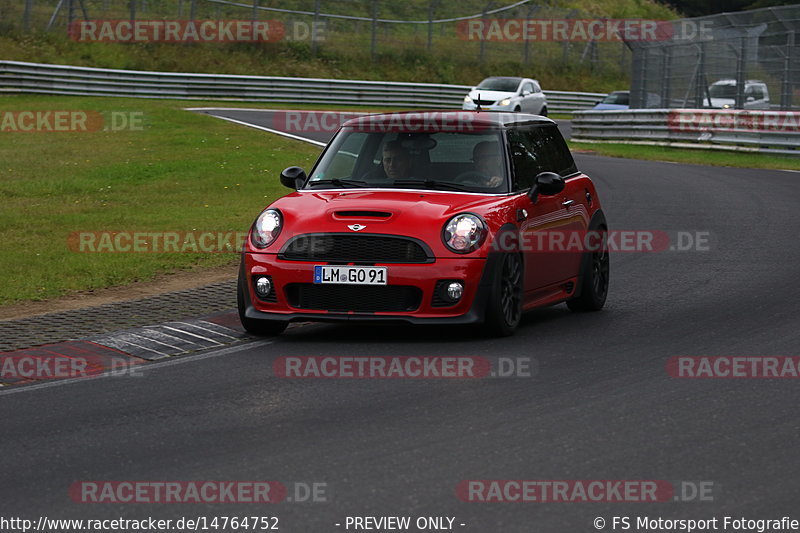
723,95
505,93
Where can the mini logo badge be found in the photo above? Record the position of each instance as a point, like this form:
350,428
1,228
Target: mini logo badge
356,227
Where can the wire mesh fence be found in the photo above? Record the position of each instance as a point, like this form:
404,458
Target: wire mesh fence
373,29
745,60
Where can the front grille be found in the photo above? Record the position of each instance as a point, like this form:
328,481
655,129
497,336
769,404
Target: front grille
485,102
347,248
358,298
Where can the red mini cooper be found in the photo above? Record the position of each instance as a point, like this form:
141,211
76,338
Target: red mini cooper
450,217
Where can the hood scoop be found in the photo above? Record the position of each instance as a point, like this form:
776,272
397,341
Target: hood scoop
362,214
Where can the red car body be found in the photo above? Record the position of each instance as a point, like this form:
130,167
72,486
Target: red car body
403,229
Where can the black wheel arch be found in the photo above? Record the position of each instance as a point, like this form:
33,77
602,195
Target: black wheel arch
598,220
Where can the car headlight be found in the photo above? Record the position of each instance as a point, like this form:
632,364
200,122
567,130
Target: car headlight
505,101
464,233
266,228
467,100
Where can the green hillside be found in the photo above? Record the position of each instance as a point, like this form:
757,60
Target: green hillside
401,51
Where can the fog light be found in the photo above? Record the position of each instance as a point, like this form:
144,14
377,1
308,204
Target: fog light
263,286
455,290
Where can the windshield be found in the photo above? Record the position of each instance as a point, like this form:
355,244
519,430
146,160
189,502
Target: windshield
620,98
456,161
500,84
723,91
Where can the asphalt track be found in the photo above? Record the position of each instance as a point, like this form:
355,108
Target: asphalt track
600,406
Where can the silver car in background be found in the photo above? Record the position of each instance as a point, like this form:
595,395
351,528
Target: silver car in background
506,93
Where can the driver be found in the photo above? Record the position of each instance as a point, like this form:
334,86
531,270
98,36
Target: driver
396,161
489,161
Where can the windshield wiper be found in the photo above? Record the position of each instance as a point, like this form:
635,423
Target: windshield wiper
338,183
431,184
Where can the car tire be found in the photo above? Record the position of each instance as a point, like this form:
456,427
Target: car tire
504,309
594,279
544,111
262,328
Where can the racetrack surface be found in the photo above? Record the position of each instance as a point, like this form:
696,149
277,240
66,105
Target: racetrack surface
600,406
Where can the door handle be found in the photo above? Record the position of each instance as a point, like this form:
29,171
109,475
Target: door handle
567,203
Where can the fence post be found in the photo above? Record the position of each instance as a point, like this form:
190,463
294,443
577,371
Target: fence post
430,24
131,7
26,17
740,65
373,51
666,95
314,24
70,13
786,82
699,86
525,36
486,8
432,5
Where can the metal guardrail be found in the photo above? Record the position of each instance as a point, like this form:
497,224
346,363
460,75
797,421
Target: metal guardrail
775,132
20,77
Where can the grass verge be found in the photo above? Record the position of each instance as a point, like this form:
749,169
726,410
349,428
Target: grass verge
181,172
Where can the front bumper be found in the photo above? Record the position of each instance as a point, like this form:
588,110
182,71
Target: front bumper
475,273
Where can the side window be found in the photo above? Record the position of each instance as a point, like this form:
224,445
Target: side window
556,154
536,88
538,149
528,87
524,158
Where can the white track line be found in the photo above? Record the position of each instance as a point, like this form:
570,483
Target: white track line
270,130
143,367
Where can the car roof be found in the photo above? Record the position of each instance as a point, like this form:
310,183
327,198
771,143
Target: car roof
446,119
733,82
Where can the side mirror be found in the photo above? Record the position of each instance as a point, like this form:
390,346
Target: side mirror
751,99
548,184
293,177
526,92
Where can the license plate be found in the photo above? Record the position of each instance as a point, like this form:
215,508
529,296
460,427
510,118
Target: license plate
350,275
